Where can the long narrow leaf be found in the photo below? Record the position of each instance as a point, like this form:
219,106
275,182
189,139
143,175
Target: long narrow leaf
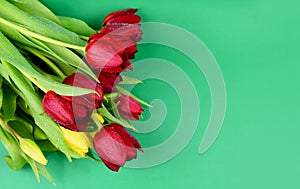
15,161
35,8
9,53
77,26
39,25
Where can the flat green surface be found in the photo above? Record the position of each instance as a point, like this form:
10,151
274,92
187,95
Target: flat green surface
256,44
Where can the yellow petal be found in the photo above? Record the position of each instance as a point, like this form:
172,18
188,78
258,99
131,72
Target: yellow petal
32,150
100,118
77,141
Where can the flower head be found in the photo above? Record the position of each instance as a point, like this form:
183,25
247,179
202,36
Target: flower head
129,108
64,112
111,49
110,53
115,145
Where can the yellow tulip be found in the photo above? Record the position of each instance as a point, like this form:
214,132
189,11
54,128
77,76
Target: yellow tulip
77,141
30,148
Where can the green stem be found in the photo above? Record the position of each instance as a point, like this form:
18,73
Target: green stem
84,37
125,92
96,120
40,37
9,129
47,61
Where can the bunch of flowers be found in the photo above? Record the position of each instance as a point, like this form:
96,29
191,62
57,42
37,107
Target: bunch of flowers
60,86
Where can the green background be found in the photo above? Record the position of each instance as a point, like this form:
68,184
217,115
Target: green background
257,46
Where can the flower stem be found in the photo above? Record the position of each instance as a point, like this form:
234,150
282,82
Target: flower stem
40,37
84,37
48,62
96,120
8,128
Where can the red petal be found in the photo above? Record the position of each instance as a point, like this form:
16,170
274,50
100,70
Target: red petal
103,56
129,30
130,51
127,136
127,19
111,166
91,100
109,81
58,109
119,13
110,146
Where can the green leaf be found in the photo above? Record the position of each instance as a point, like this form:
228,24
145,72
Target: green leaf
1,92
27,41
129,81
23,128
9,104
15,161
39,25
43,171
36,8
33,165
9,53
76,25
23,105
32,43
4,73
18,37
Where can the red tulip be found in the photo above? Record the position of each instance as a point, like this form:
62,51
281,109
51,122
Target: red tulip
115,145
129,108
122,16
110,53
111,48
109,81
90,100
70,115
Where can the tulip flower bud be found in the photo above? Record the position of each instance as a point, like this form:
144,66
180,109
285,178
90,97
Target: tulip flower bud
59,109
30,148
115,145
69,114
129,108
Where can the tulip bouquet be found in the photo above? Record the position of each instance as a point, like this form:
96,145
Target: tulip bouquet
61,87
